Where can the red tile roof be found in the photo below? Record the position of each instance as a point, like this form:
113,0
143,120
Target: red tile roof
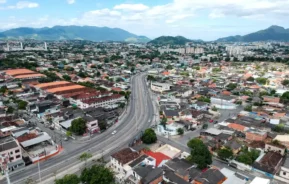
158,156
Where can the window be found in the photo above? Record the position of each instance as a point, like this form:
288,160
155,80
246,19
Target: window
11,153
17,151
18,156
284,173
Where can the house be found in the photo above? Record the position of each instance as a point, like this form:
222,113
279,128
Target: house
211,176
160,158
171,114
269,163
237,127
122,157
255,135
279,148
223,102
234,145
200,106
271,99
10,148
170,177
258,180
284,171
148,175
160,87
234,177
283,139
180,167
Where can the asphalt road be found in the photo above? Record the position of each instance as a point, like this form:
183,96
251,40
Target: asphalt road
137,117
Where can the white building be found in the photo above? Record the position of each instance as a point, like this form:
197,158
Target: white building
160,87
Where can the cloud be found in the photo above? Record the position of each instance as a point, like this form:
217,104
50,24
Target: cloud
190,18
70,1
2,1
24,4
131,7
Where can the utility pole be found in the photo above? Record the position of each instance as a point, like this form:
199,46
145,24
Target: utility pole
39,171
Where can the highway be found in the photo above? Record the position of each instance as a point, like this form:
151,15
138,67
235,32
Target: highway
137,118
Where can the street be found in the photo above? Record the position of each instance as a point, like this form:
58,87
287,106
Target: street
136,119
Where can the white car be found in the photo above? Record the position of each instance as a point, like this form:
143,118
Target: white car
113,132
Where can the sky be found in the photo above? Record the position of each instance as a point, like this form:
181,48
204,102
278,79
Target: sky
194,19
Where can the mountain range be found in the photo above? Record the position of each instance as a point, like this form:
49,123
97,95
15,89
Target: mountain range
273,33
91,33
171,40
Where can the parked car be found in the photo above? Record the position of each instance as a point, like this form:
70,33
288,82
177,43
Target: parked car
114,132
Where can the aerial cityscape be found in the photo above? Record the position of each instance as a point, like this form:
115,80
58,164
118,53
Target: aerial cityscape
144,92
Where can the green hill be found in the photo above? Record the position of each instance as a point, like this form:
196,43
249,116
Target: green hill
91,33
273,33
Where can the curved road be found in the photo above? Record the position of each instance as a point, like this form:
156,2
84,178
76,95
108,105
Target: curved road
138,117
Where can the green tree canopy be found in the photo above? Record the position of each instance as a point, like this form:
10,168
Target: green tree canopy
251,79
149,136
66,77
261,80
285,82
68,179
199,153
248,157
78,126
231,86
10,110
97,174
225,153
22,105
180,131
285,97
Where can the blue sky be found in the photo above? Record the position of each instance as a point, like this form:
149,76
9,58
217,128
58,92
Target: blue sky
195,19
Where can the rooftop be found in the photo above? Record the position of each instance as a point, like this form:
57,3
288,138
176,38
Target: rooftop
125,155
51,84
66,88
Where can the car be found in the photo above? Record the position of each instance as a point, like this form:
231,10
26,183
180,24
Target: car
65,139
114,132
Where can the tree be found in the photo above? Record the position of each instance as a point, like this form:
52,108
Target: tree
22,105
98,74
205,126
149,136
97,174
68,134
200,154
10,110
30,181
164,122
78,126
225,153
231,86
248,108
214,108
285,82
85,156
215,70
251,79
248,157
102,125
3,89
132,69
180,131
68,179
262,80
66,77
169,67
285,97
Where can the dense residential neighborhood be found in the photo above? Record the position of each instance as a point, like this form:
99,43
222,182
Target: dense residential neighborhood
200,113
